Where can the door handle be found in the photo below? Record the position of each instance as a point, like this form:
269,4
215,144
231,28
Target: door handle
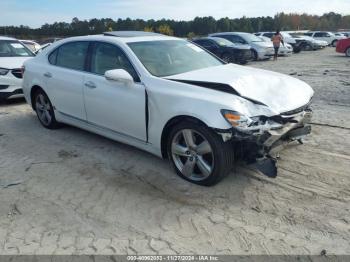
90,84
48,75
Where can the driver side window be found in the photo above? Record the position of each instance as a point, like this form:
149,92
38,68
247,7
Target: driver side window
107,57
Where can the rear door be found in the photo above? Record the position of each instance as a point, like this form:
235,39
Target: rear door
110,104
64,78
323,36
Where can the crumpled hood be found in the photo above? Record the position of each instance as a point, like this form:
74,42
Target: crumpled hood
279,92
12,62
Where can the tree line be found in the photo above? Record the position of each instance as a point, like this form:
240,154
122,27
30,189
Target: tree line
199,26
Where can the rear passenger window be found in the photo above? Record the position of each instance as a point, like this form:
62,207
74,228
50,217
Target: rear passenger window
72,55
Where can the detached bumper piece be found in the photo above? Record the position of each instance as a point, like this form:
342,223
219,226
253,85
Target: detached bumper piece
267,167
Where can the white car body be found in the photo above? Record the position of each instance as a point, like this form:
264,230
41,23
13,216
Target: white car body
10,70
32,45
329,37
138,112
287,38
285,49
320,43
263,50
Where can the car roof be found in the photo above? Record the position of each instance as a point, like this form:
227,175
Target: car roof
214,38
7,38
131,36
130,33
231,33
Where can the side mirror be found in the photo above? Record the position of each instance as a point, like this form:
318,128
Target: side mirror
119,75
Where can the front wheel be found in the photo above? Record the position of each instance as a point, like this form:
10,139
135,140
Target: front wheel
198,154
347,52
44,110
255,55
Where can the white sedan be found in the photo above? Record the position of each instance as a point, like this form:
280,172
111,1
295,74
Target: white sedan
12,55
168,97
285,48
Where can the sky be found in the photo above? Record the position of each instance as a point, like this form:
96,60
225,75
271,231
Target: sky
35,13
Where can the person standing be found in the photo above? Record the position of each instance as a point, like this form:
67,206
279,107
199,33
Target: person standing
277,39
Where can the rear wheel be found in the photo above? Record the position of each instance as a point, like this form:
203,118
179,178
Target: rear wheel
347,52
44,110
198,154
334,43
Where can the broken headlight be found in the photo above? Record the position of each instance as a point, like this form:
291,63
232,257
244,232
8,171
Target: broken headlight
236,119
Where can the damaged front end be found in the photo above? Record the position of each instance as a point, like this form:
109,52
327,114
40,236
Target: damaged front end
258,140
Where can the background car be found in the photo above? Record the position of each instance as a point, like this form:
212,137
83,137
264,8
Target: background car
226,50
309,42
32,45
284,50
287,38
261,50
343,46
50,40
12,55
329,37
340,34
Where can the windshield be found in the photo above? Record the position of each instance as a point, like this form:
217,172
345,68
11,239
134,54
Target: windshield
223,42
12,48
171,57
251,38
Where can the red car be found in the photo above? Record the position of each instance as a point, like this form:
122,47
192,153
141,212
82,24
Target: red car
343,46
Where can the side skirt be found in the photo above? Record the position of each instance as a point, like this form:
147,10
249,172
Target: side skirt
106,132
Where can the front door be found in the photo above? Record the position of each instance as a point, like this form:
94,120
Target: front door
110,104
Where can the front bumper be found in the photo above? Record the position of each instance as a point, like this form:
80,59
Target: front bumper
5,94
257,145
266,53
11,84
242,56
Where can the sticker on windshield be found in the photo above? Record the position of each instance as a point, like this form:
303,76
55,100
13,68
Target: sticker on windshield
195,48
16,45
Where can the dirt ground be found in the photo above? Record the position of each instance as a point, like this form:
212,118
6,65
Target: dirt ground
68,191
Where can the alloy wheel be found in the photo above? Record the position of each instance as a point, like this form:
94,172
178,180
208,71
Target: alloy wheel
43,109
347,52
192,154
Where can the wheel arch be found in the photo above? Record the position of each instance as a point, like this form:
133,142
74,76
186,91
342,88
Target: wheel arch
167,129
33,90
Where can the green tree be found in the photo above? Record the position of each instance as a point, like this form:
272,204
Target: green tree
165,30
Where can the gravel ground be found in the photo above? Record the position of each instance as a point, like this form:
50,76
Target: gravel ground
68,191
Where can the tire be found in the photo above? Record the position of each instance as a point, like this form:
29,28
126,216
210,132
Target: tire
255,55
199,155
334,43
44,110
307,47
347,52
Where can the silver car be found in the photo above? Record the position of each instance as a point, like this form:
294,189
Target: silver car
261,49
